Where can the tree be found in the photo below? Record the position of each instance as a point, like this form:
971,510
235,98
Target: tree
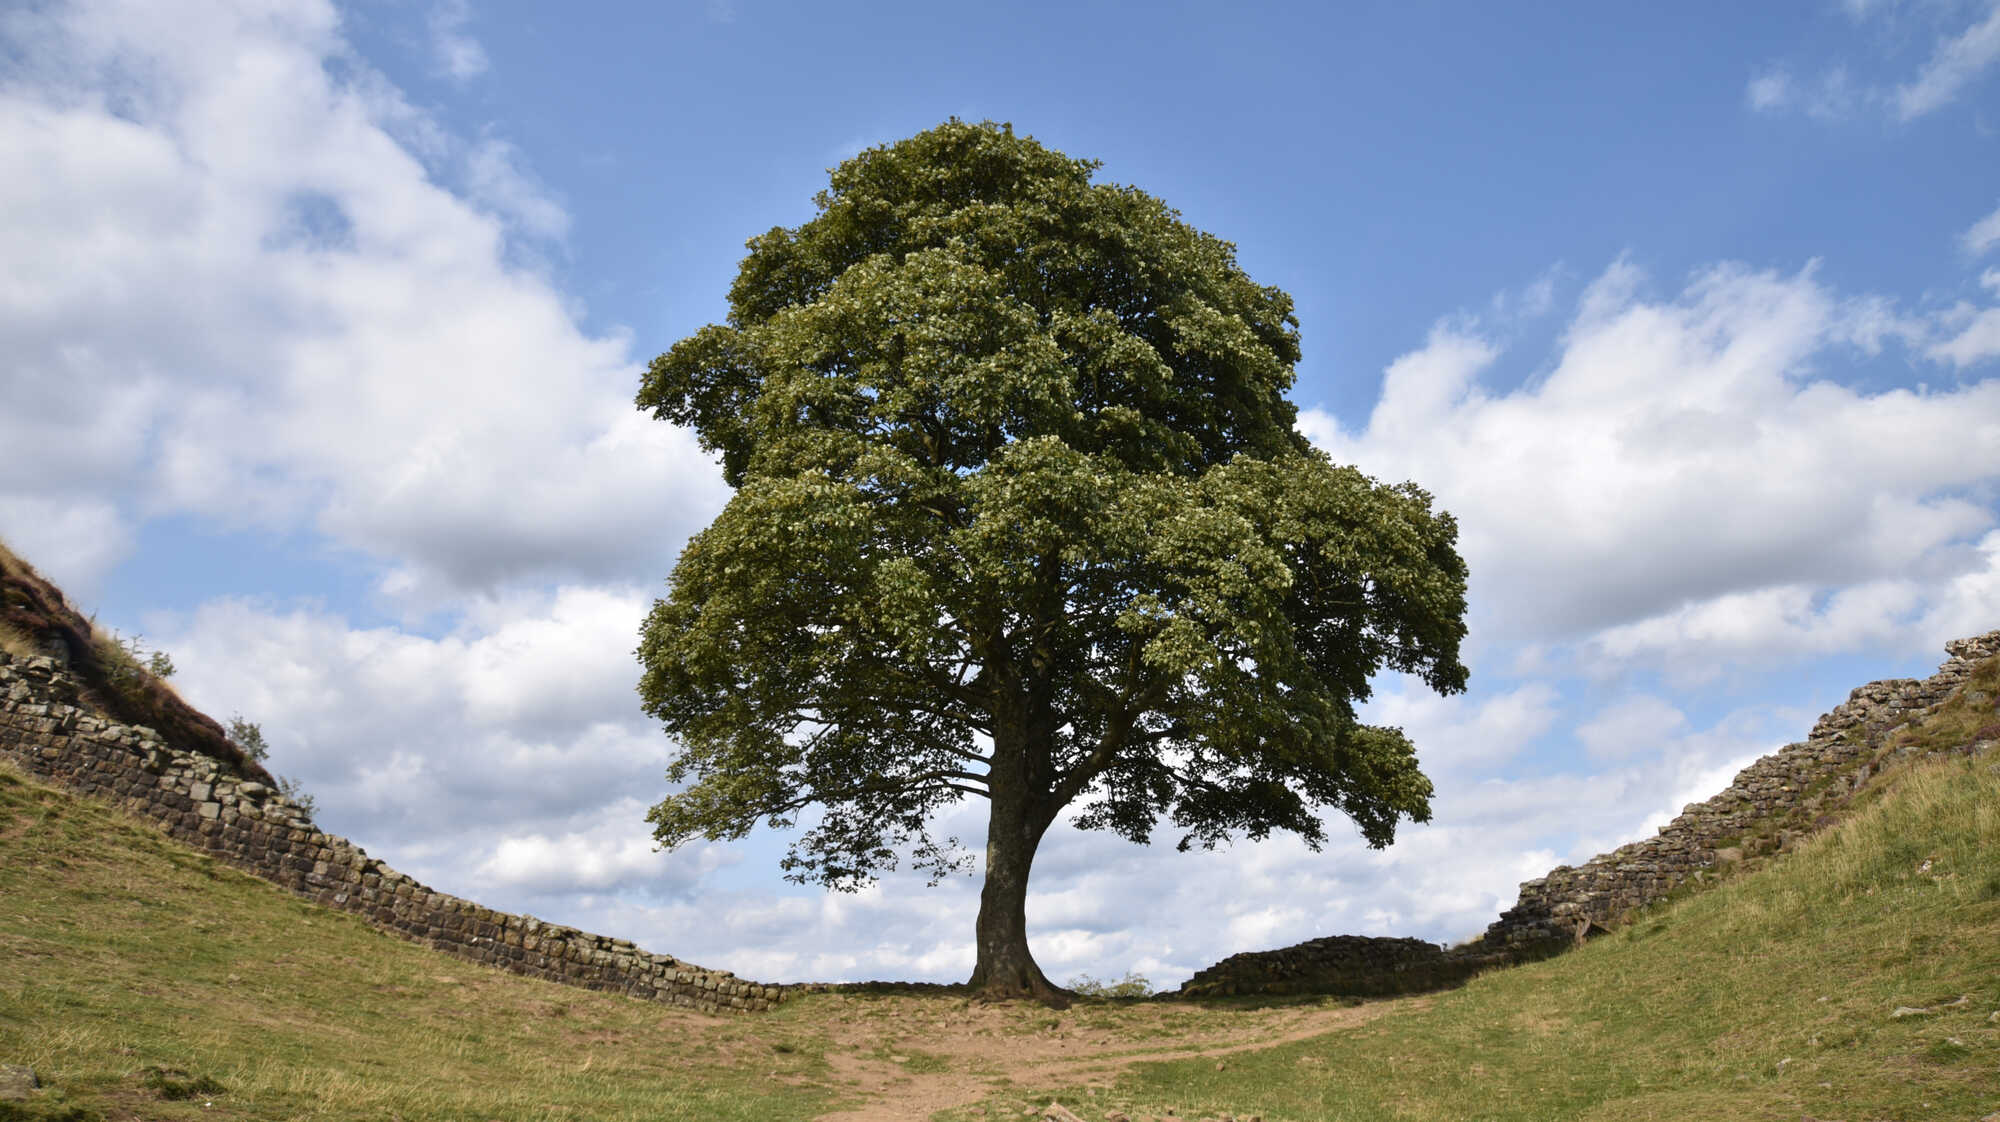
248,735
1020,513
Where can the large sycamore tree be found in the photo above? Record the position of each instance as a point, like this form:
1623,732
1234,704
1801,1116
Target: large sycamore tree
1020,514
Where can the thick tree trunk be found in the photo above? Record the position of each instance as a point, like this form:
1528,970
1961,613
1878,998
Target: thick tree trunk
1006,969
1017,819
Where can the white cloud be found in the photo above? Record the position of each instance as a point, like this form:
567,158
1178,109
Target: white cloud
1829,97
1701,786
1959,60
241,291
1426,382
1681,451
614,854
496,179
1966,334
1459,732
72,542
1976,337
1868,322
456,53
1957,63
513,727
1769,91
1983,235
1633,726
1782,620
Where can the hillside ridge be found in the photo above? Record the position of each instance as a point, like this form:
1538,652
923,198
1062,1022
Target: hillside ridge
1778,799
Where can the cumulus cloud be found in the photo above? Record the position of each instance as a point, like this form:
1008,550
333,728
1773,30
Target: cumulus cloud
241,287
1463,733
516,726
72,542
614,853
1683,453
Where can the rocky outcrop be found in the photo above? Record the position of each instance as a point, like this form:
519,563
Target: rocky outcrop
1782,797
203,803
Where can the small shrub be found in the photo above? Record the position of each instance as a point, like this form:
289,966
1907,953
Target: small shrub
249,736
123,658
289,787
1131,985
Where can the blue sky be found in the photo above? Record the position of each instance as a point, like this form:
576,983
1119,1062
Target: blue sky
325,322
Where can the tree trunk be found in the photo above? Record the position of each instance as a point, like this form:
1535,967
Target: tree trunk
1006,969
1016,821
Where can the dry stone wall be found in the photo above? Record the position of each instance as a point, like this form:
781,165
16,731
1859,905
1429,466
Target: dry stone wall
1780,798
1353,965
255,828
1770,804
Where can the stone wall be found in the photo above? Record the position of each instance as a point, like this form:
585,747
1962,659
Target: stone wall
1780,798
251,826
1771,803
1352,965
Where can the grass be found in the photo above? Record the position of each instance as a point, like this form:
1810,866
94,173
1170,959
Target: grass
1771,997
16,642
144,980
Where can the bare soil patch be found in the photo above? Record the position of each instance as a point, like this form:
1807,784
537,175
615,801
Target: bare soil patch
908,1056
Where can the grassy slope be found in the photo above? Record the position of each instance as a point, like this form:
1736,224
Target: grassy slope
121,951
1770,997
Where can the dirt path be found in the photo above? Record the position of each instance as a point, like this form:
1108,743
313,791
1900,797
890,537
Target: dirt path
909,1056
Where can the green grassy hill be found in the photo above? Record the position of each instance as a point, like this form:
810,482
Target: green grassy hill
1857,978
133,969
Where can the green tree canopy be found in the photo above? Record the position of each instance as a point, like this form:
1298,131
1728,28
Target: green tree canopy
1020,513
